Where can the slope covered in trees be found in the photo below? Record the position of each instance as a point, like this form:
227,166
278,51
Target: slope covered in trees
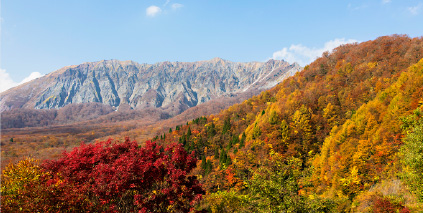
343,135
339,122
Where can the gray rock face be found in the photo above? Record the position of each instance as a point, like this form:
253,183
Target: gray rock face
163,85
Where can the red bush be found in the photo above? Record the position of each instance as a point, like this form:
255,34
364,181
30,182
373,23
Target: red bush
384,205
125,177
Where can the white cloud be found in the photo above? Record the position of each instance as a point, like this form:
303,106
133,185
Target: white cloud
415,10
31,77
386,1
153,11
176,6
304,55
6,82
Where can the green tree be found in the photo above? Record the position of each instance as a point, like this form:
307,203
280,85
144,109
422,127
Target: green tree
234,140
274,118
274,187
223,158
209,167
412,153
203,163
242,142
226,125
211,130
256,131
189,133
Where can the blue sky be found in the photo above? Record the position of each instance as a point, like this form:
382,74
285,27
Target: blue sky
38,37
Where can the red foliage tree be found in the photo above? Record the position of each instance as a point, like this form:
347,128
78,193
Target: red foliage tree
125,177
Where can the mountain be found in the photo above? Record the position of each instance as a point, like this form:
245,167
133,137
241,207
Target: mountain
110,98
343,135
172,86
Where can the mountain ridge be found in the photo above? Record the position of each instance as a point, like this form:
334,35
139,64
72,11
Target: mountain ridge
159,85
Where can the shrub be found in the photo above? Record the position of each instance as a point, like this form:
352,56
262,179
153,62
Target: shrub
105,177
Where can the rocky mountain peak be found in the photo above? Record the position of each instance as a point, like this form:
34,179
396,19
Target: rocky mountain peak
176,85
217,60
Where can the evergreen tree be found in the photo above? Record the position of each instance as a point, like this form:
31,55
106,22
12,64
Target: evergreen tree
226,125
189,133
183,139
223,157
242,142
235,139
203,163
211,130
228,160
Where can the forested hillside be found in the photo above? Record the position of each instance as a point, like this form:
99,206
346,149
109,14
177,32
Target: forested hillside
328,138
343,135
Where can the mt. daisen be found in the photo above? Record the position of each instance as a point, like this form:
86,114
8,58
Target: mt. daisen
175,86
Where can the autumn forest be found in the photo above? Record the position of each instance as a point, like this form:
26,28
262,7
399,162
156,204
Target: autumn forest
345,134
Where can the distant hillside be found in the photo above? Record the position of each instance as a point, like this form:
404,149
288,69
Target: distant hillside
172,86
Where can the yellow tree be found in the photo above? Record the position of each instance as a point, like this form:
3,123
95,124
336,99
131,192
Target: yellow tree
302,127
14,179
329,114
